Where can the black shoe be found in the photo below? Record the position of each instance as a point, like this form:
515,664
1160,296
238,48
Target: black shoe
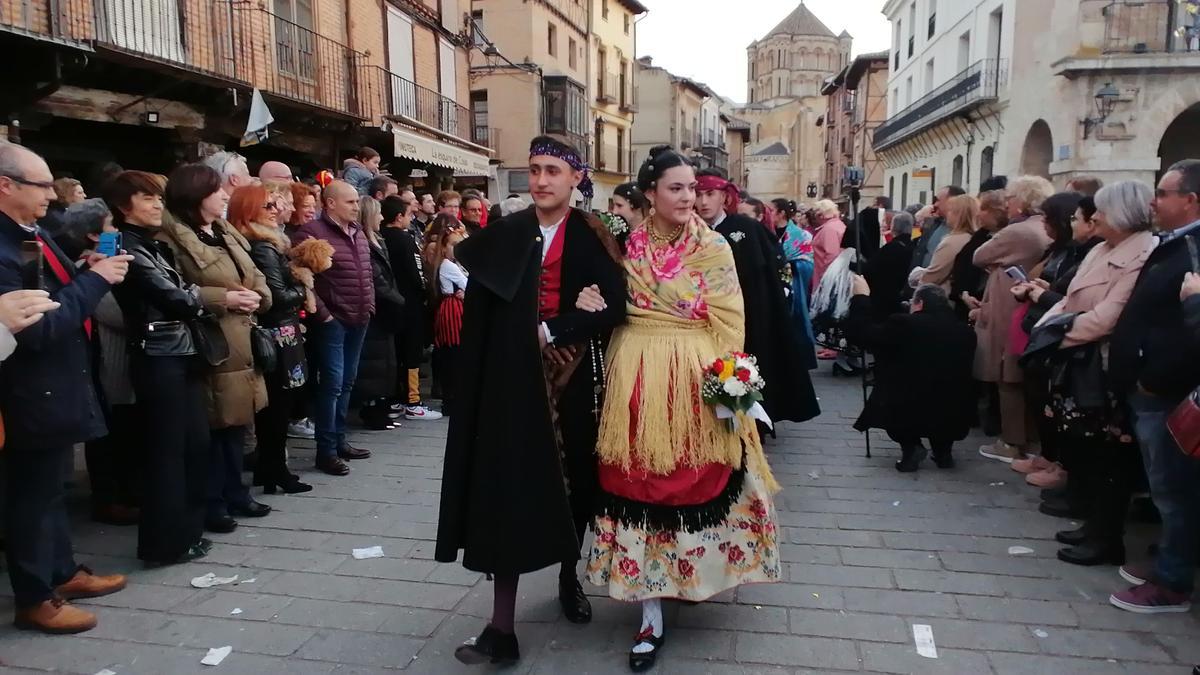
333,466
251,509
491,646
1060,508
289,484
195,552
841,371
945,461
575,604
1059,492
205,544
351,452
639,663
1093,553
1072,537
912,459
220,524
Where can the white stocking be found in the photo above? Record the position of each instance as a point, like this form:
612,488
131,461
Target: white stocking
651,618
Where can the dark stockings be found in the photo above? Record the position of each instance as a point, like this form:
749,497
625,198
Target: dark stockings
504,603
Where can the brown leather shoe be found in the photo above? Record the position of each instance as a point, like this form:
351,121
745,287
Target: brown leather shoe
87,585
351,452
56,616
116,514
332,466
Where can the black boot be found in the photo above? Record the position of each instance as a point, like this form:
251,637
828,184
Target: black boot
492,646
1072,537
575,604
1094,552
1061,508
911,461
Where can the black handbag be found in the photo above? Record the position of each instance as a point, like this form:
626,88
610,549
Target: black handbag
264,349
209,338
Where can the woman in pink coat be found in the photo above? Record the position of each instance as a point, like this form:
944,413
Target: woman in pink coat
1108,457
827,238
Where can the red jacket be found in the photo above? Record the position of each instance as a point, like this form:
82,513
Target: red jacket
345,291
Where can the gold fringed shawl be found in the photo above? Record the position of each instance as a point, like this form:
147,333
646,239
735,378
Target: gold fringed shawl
654,417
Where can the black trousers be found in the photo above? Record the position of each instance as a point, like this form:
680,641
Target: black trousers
1109,472
113,462
174,421
225,486
270,430
939,446
443,368
37,539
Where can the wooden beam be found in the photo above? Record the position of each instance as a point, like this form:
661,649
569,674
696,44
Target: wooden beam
94,105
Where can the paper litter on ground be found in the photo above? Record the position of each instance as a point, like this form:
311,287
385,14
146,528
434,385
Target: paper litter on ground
923,636
996,483
895,503
106,671
1040,633
1019,550
236,610
248,581
216,655
370,552
813,474
209,580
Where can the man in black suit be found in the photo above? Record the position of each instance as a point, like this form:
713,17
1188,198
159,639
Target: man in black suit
49,402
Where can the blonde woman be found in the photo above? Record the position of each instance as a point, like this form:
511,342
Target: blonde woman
1021,244
962,214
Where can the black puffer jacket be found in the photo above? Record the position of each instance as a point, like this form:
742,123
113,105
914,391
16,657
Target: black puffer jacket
389,303
268,250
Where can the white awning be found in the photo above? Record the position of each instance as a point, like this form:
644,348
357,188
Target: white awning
422,149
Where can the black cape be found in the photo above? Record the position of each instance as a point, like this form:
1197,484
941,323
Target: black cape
770,332
923,381
510,492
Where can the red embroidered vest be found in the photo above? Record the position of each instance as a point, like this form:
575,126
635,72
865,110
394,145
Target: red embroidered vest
550,283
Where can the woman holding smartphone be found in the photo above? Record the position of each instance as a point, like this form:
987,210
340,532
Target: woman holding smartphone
168,377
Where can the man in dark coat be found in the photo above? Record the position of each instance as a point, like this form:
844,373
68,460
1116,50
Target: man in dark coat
1155,361
49,402
923,386
770,333
520,470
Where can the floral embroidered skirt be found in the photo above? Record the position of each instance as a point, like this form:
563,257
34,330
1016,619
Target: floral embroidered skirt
637,563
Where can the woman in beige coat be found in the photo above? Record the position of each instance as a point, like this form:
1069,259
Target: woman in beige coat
1108,459
962,213
1021,244
214,256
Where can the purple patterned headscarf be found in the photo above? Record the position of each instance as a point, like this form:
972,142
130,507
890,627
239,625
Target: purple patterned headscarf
552,148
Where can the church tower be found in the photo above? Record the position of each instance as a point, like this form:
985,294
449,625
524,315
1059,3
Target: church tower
793,60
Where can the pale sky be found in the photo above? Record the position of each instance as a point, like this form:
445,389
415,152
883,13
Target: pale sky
706,40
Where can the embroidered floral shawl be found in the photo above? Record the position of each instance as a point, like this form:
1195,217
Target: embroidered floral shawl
685,310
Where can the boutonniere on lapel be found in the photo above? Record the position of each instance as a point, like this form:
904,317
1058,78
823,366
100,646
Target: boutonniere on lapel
616,225
737,236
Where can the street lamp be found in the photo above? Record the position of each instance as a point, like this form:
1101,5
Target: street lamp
1106,100
812,190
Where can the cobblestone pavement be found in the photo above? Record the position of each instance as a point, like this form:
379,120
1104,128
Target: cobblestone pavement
868,553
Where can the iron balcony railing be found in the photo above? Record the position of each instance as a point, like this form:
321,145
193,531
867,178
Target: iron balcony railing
70,22
196,35
486,136
1151,26
977,84
295,63
384,94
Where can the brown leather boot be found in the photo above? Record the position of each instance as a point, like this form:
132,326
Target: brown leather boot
87,585
56,616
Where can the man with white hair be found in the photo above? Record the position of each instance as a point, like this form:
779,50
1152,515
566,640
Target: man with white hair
512,205
233,170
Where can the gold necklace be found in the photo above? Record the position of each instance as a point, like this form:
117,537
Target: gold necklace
660,238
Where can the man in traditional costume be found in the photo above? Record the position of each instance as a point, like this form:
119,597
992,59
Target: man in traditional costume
770,334
519,482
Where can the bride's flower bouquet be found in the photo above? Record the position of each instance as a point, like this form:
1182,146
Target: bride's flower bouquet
732,384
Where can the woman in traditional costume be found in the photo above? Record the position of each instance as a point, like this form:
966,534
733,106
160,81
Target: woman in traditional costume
685,510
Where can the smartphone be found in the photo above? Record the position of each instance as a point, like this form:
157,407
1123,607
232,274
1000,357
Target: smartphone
109,245
1016,273
33,265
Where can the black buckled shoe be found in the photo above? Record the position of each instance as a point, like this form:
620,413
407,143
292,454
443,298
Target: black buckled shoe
250,509
492,646
575,604
1093,553
641,662
943,461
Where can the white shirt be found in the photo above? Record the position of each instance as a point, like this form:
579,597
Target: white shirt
548,234
720,219
8,343
451,277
